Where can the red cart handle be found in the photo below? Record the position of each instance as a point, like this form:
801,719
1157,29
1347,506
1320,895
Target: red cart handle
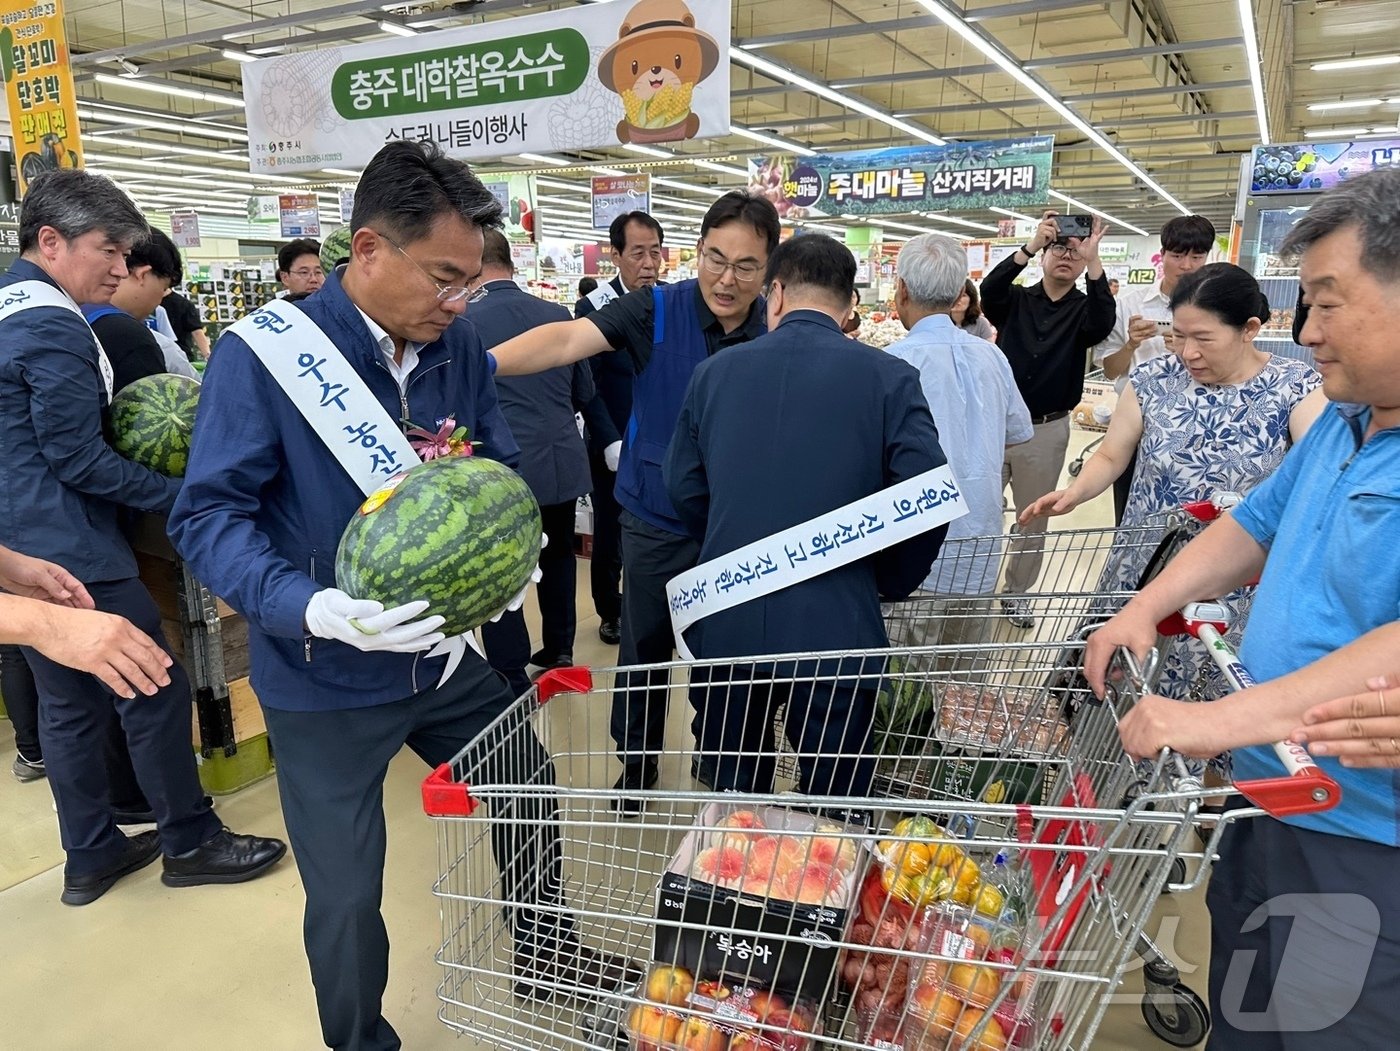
444,796
1305,788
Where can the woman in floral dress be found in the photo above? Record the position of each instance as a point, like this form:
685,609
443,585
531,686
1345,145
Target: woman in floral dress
1215,416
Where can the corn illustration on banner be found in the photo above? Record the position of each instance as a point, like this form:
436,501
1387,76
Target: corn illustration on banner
626,71
38,88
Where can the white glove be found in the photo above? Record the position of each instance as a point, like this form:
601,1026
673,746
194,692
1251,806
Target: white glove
612,455
535,575
368,626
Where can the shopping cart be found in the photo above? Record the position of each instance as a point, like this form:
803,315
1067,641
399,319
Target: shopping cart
1037,808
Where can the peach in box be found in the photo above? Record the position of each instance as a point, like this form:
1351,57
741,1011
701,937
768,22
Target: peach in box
813,885
722,866
740,829
653,1029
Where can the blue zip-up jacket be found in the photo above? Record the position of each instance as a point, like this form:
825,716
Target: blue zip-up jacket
264,502
64,486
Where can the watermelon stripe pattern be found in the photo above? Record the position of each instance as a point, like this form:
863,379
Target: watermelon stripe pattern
462,533
335,247
152,421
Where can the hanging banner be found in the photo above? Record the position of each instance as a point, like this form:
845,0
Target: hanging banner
615,195
264,210
184,229
1312,167
347,204
516,194
300,214
608,74
961,176
39,89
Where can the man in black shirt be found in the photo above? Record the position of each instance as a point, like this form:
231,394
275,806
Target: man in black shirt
152,266
667,332
1045,331
187,324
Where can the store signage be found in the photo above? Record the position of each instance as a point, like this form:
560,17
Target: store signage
9,231
1113,251
347,205
184,229
1312,167
264,210
961,176
39,88
615,195
1143,275
523,256
300,214
616,73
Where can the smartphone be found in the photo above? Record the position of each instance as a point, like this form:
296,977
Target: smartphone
1080,226
1164,326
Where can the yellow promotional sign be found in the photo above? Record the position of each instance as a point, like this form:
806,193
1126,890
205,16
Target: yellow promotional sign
39,88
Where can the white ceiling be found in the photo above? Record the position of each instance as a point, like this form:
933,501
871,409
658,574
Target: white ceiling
1167,82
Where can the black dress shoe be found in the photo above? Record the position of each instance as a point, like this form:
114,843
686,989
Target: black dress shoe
546,660
610,632
635,777
565,967
224,858
137,853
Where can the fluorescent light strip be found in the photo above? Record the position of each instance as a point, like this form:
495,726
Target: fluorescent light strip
1327,133
223,173
647,151
675,184
1356,63
608,171
1016,215
559,184
162,87
1256,73
955,22
771,140
727,169
341,171
234,55
1103,215
165,147
961,222
541,159
782,73
385,26
87,110
1323,107
676,202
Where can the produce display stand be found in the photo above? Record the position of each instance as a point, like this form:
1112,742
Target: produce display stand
211,641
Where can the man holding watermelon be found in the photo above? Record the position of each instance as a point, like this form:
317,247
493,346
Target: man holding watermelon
344,682
65,493
666,331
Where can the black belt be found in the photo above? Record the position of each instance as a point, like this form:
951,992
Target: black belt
1050,417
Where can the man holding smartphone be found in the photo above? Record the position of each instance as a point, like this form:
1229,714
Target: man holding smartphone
1045,331
1142,330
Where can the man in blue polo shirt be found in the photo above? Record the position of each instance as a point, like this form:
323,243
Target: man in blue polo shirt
1305,949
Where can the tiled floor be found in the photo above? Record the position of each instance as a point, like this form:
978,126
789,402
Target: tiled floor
221,968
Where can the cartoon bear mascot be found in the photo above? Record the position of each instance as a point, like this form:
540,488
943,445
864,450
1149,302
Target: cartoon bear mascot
657,60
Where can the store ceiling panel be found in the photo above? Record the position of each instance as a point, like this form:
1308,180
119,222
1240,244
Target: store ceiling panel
1166,82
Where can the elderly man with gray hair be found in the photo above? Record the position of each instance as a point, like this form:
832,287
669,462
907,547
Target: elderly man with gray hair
979,412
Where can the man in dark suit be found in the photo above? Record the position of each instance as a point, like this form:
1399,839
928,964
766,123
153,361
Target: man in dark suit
773,433
553,461
636,240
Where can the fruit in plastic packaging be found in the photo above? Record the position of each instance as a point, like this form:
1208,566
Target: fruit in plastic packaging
653,1029
669,985
722,866
699,1034
975,984
991,1038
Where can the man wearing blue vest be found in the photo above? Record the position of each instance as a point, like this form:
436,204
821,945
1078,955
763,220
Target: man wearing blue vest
1305,909
667,331
64,494
343,682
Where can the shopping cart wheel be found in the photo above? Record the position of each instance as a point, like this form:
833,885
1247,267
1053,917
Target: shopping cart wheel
1075,466
1176,875
1176,1015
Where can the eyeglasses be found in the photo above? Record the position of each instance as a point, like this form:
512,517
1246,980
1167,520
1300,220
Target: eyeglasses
445,293
304,273
717,264
1055,248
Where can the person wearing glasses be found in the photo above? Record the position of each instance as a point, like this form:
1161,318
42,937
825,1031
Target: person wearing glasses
1045,330
299,267
667,332
636,239
344,683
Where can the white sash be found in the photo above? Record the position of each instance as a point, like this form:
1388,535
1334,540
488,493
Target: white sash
814,547
602,295
24,295
335,400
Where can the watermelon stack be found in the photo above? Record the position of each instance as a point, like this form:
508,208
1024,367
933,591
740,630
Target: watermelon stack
152,421
462,533
335,247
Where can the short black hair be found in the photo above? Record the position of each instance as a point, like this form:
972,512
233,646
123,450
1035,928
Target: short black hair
1225,290
159,253
76,202
586,285
816,263
1191,234
495,251
408,186
749,208
290,252
617,230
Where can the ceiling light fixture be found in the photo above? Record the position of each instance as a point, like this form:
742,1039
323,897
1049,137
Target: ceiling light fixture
1327,133
162,87
538,158
1356,63
166,147
1015,215
676,184
727,169
234,55
386,26
647,151
771,140
1103,215
960,222
1250,32
108,113
223,173
1323,107
954,21
341,171
797,80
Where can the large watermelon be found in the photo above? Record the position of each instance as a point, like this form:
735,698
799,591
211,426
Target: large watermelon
461,532
335,247
152,420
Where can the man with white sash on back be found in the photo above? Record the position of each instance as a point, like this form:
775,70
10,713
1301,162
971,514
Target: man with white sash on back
302,414
809,468
64,491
